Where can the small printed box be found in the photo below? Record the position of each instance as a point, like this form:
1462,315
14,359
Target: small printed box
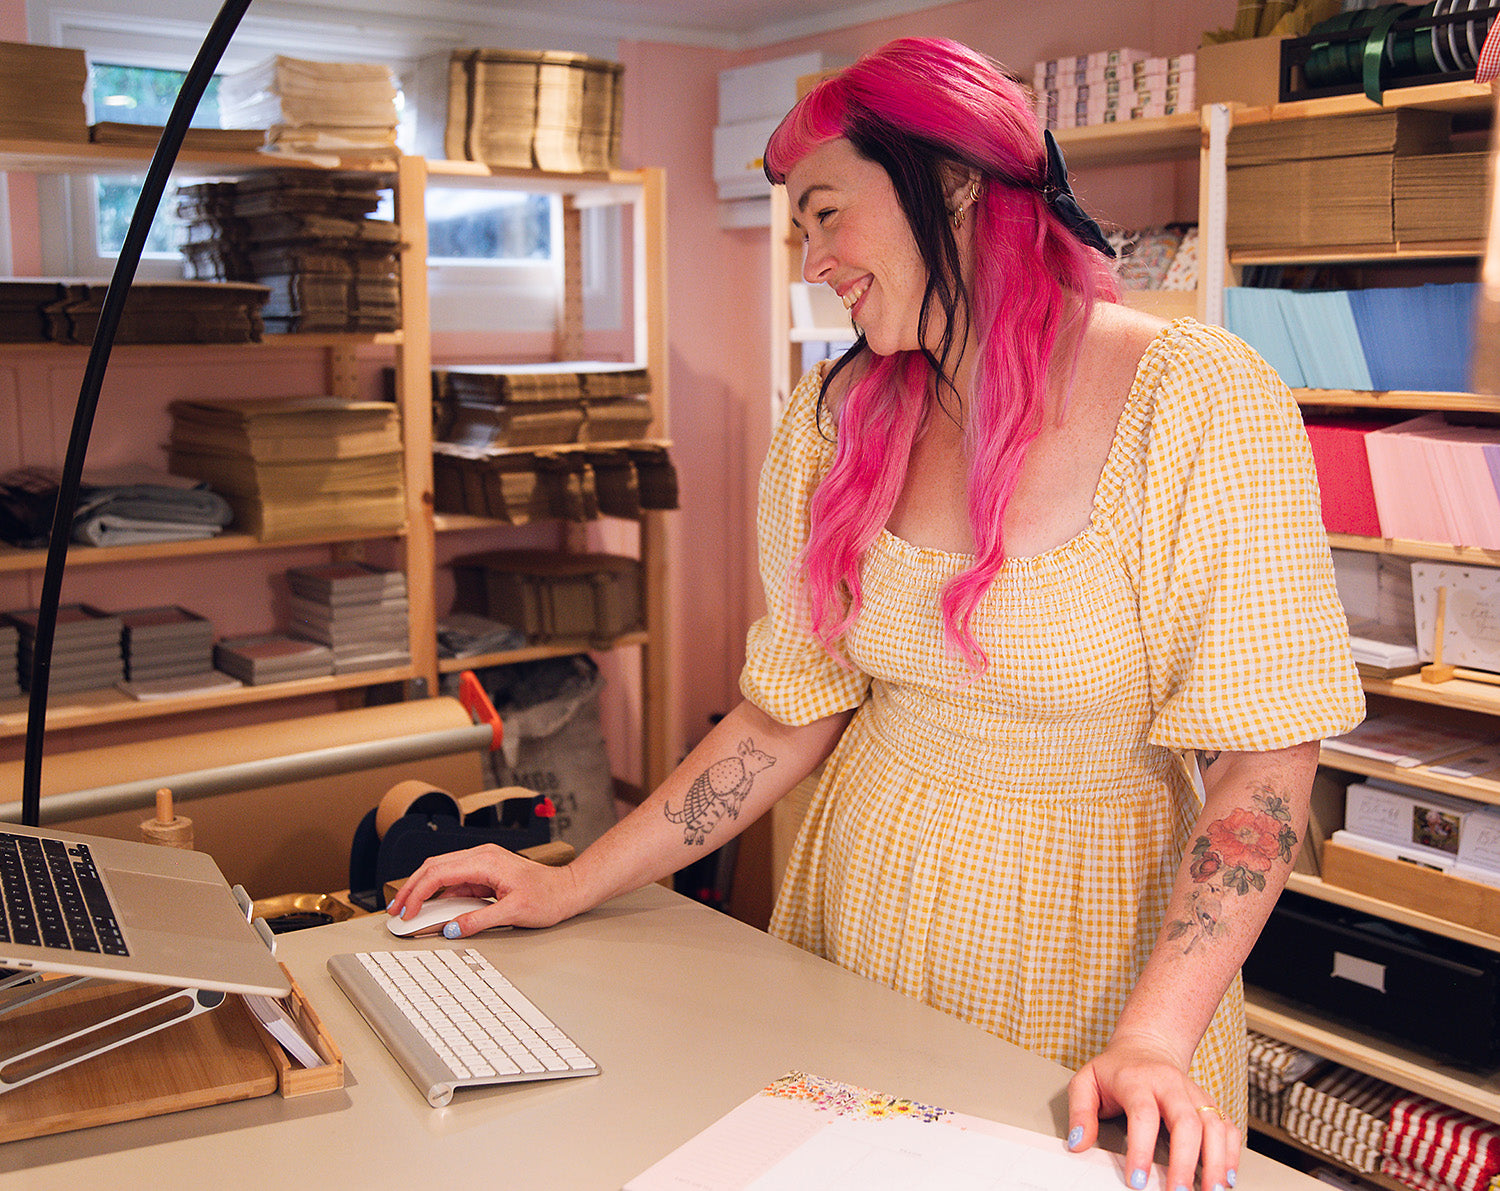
1479,845
1394,814
1116,58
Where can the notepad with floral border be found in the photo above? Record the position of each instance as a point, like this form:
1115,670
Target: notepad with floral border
807,1133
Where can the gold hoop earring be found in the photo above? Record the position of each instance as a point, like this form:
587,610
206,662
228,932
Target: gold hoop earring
970,198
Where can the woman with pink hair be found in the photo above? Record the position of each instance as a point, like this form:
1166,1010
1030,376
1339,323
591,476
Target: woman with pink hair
1030,560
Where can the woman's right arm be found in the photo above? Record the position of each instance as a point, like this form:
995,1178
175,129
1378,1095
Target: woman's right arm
744,765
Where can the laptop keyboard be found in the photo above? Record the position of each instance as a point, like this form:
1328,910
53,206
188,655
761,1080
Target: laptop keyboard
52,896
452,1020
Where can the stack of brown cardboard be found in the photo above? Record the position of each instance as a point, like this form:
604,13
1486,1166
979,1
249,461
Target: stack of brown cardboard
541,404
86,654
553,596
295,466
359,612
64,310
616,402
23,308
164,312
545,110
212,140
10,673
1441,196
272,657
41,92
309,237
1324,180
166,642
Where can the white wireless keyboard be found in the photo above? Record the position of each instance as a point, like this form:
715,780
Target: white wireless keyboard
453,1021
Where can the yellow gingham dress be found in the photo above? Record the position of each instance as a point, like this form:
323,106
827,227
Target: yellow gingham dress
1004,850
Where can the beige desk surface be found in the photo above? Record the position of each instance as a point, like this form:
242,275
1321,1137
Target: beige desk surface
687,1012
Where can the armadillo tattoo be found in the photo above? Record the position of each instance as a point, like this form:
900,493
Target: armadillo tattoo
718,791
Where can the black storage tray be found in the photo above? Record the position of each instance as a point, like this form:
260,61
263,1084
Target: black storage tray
1431,993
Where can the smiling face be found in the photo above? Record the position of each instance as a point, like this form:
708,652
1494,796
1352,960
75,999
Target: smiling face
859,243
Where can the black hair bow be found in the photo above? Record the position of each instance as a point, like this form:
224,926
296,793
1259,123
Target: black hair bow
1059,196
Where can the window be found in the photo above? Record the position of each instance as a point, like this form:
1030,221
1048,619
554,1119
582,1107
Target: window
492,259
490,251
487,226
138,95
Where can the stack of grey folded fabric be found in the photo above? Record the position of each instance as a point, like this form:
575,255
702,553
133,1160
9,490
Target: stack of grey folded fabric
129,513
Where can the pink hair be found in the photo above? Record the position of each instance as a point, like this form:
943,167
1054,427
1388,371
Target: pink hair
930,103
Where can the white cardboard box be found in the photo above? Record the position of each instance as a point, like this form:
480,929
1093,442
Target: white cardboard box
1479,846
1430,822
767,90
1405,853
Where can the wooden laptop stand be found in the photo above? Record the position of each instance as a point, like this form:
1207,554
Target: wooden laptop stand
153,1008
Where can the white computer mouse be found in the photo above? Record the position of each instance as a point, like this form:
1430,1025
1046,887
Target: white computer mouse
434,914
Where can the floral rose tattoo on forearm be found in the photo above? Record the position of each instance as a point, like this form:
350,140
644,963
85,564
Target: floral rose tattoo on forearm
1232,857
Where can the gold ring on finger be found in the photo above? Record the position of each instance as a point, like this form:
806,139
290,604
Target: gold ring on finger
1211,1108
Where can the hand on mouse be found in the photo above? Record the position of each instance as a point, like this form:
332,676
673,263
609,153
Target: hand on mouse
435,916
526,893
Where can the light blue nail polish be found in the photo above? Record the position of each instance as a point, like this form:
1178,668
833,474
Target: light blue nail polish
1138,1180
1218,1187
1075,1135
1180,1187
454,931
1230,1176
403,913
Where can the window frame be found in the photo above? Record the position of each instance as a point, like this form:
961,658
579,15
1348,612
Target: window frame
505,298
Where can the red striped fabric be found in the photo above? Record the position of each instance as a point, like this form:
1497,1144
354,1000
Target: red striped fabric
1460,1150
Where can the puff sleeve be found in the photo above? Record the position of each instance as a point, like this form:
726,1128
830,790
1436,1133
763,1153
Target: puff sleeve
1246,640
788,673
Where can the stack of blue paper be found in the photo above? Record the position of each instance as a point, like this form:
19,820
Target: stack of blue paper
1417,338
1420,337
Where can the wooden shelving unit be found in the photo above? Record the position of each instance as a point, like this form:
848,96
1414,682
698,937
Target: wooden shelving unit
14,559
1158,138
532,653
1271,1015
1399,400
89,708
337,350
644,191
1478,1093
410,352
1480,789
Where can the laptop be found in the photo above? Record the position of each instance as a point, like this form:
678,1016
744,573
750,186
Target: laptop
88,906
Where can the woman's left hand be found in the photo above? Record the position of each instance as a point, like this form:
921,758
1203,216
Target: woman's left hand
1148,1085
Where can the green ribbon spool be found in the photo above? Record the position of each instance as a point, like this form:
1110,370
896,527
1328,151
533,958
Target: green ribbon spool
1374,49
